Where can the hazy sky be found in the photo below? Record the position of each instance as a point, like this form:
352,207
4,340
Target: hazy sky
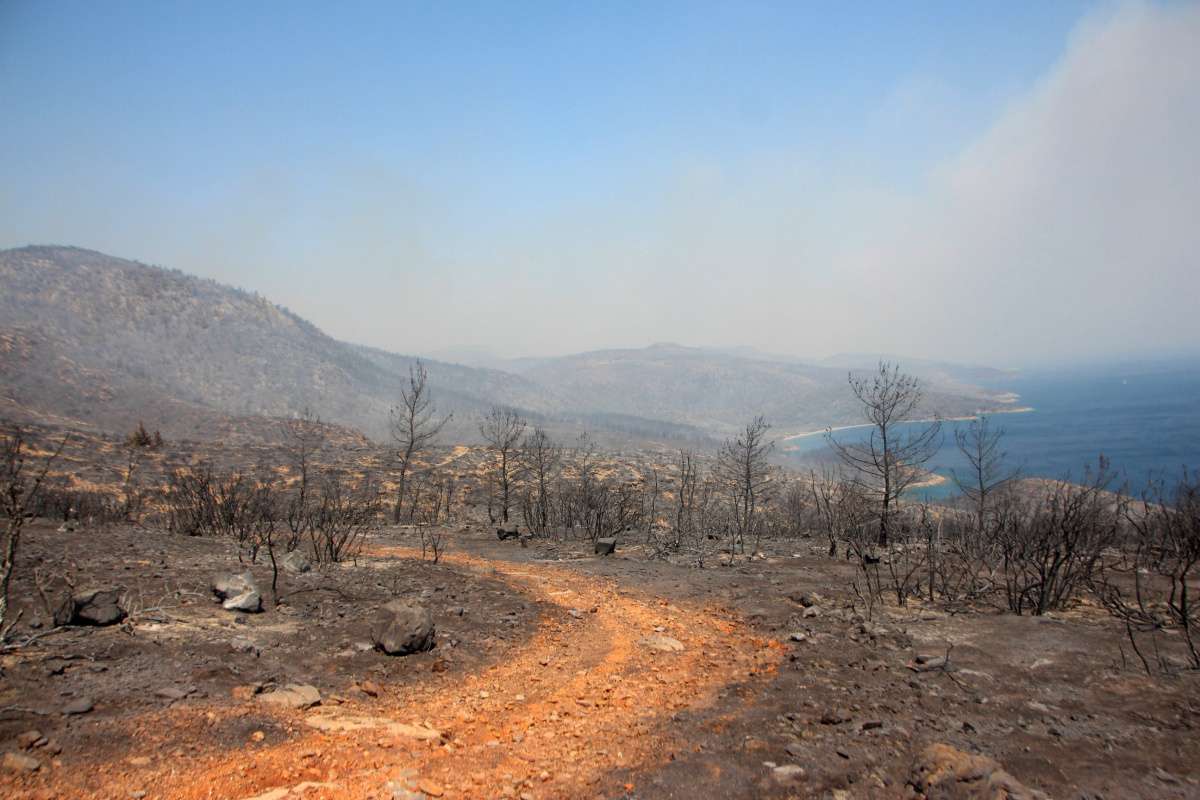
1003,182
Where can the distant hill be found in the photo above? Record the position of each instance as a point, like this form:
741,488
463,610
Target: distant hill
718,390
108,341
90,339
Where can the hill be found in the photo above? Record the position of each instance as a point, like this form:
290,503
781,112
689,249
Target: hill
94,340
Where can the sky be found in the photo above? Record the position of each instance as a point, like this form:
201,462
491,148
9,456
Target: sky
1007,182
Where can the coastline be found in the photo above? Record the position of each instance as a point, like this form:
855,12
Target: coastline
806,434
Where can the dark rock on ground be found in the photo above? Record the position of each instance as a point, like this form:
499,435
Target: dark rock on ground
97,607
400,629
942,772
606,547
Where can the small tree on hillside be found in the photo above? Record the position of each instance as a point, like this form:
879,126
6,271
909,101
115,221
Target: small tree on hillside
19,489
304,438
414,426
893,457
986,473
743,468
502,429
540,460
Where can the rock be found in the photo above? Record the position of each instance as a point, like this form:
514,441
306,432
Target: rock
242,644
662,643
296,563
788,774
245,692
81,706
926,663
250,602
19,762
343,723
237,592
400,629
799,636
810,612
369,688
430,788
174,693
28,739
606,547
871,725
942,772
294,695
806,599
140,761
60,600
97,607
505,533
835,716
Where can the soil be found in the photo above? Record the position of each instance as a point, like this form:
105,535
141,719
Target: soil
544,682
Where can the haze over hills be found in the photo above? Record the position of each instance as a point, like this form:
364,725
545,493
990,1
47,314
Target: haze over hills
103,341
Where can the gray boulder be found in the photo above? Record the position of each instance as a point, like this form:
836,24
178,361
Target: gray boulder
237,592
294,695
606,547
97,607
400,629
295,562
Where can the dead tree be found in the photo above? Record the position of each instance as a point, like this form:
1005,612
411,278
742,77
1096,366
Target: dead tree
742,466
502,429
20,489
987,473
414,426
540,458
894,455
304,438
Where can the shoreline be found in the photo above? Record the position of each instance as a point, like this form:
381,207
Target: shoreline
806,434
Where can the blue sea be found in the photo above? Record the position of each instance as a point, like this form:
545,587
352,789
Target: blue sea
1144,419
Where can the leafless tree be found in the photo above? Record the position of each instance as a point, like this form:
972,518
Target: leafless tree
502,429
304,439
987,472
1151,586
742,466
20,488
343,515
1053,546
540,458
893,457
414,427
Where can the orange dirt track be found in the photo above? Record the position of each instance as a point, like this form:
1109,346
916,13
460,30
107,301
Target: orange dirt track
579,700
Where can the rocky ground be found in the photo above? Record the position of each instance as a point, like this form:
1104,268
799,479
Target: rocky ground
557,673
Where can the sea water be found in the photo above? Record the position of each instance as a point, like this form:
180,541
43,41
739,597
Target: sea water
1145,419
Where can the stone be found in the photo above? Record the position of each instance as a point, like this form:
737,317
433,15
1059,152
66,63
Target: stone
294,695
28,739
296,563
835,716
664,644
788,774
806,599
242,644
81,706
97,607
60,601
927,663
369,688
430,788
19,762
943,772
606,547
228,584
249,602
174,693
400,629
799,636
810,612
